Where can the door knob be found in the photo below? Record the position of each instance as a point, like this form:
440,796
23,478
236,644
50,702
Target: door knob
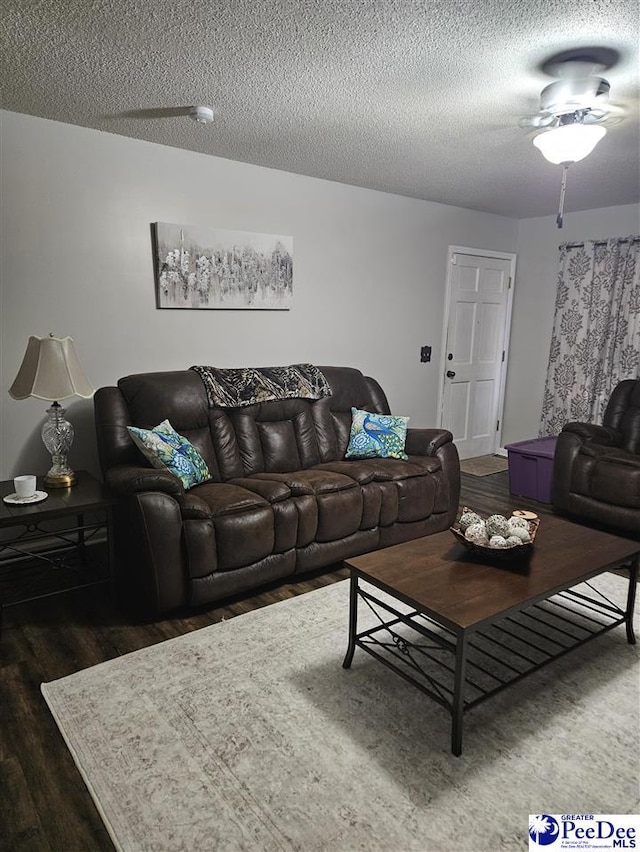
450,374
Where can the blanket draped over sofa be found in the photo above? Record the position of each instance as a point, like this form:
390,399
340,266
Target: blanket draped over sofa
282,498
233,388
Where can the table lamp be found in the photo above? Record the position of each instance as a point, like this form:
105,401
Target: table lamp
51,370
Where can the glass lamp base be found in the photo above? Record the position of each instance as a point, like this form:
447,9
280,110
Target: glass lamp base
60,480
57,435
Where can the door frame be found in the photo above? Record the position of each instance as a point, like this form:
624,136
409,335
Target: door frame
511,257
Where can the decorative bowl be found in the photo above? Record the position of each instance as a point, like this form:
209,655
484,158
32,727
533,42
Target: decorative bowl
503,554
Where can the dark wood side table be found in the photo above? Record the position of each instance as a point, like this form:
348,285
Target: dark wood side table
59,544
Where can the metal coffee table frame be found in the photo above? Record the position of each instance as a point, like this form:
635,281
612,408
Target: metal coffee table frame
460,668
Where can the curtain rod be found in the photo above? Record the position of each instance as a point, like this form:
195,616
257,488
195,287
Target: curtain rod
601,242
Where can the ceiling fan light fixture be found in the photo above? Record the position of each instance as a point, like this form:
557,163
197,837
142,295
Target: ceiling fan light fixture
569,143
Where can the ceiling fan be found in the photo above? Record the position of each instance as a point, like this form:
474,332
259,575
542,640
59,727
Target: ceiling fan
575,109
578,93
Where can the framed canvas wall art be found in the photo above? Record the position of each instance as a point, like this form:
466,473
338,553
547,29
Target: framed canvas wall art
214,269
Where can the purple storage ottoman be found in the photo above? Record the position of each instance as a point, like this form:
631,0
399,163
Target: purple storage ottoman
531,468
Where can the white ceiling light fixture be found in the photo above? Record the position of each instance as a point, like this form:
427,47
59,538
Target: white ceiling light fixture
569,143
573,110
201,114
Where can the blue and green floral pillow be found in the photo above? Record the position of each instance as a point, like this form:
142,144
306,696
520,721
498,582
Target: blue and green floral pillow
376,436
163,447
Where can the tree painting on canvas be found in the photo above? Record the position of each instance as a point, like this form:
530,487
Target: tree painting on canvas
215,269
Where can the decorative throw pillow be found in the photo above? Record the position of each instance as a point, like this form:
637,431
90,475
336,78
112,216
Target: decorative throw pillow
376,436
163,447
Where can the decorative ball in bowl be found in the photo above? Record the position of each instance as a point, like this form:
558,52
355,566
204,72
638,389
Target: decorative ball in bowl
502,537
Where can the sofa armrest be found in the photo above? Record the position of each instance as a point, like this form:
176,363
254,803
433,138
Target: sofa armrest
426,442
574,440
438,444
592,432
194,508
150,566
127,479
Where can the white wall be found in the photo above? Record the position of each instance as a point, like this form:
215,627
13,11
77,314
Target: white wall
77,205
534,302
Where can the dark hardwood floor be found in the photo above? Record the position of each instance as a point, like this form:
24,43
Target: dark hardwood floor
44,804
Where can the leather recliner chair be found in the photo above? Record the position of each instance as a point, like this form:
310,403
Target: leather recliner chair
596,471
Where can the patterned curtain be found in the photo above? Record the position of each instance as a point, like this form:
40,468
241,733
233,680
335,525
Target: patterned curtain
596,331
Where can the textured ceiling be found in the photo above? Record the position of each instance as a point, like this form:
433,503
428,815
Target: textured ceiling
417,98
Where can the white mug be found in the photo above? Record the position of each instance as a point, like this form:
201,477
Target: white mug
25,486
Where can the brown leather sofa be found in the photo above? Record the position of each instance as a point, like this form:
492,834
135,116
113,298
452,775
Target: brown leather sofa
596,469
282,499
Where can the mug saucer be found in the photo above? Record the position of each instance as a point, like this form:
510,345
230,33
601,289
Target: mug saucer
14,500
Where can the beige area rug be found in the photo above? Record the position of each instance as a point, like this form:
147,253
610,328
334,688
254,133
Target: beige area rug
249,735
484,465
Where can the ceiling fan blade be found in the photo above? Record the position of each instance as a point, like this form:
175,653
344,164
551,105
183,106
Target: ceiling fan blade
152,113
542,119
607,118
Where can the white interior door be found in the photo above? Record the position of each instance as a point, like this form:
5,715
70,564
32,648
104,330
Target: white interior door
478,318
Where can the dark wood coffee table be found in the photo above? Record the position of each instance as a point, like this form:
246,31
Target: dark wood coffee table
468,629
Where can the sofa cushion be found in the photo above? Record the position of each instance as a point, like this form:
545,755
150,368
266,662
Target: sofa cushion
337,502
223,498
427,464
244,537
597,451
313,481
339,514
291,518
243,523
162,446
360,471
272,492
416,498
332,415
276,437
376,435
148,398
392,470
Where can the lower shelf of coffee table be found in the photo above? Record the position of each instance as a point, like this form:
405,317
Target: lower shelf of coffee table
497,655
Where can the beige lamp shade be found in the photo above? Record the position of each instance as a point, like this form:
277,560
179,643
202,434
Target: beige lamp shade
50,370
